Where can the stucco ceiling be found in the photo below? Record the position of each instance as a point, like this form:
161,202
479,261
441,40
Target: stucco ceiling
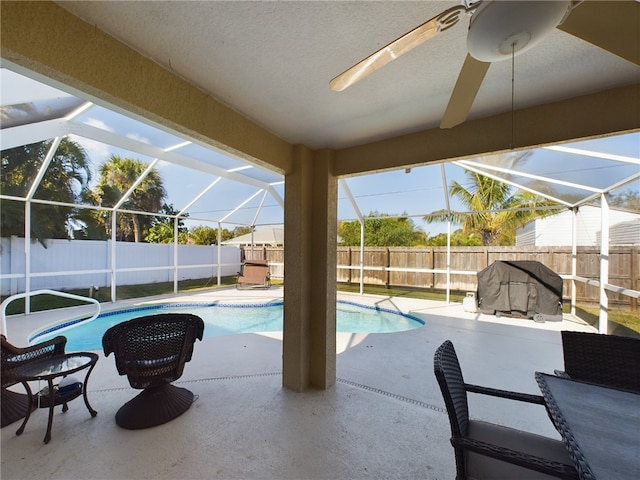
272,62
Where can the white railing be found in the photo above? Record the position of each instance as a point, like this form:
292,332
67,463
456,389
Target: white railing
17,296
608,286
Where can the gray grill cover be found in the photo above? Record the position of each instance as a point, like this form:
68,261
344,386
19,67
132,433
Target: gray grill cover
519,288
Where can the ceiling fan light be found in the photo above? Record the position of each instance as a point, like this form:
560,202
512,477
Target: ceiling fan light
515,43
499,28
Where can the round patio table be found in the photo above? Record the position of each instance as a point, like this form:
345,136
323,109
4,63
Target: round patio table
49,369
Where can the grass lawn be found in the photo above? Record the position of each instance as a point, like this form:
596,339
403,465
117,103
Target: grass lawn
620,322
124,292
401,292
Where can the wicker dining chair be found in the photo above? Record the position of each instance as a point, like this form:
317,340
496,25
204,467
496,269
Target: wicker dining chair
489,451
609,360
14,404
152,351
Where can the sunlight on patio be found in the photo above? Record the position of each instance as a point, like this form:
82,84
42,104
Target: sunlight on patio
384,418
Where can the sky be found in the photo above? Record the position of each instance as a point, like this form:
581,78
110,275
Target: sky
416,192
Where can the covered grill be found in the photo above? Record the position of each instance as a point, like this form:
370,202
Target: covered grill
519,288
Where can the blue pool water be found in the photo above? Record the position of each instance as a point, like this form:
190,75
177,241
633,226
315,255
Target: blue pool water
229,319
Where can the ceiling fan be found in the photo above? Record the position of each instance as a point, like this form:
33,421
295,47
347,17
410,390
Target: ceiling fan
499,30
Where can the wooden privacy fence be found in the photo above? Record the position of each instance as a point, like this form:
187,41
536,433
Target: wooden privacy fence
425,267
273,255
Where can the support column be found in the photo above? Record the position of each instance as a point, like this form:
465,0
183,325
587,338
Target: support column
309,337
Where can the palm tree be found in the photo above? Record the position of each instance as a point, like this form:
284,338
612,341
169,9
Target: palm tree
496,211
66,180
117,176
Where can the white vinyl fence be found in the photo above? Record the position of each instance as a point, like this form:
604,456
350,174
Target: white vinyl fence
70,264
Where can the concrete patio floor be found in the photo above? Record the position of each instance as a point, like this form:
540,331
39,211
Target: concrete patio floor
384,418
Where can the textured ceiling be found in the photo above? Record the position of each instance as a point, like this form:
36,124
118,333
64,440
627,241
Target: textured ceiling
272,62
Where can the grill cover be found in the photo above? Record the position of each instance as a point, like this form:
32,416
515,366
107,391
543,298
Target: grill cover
519,288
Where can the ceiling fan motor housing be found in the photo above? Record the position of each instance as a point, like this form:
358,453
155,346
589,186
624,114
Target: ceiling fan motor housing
499,29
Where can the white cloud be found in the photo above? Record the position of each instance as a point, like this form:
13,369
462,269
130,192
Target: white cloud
96,151
94,122
162,165
139,138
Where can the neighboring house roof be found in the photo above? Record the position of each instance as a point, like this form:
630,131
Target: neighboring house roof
556,230
267,236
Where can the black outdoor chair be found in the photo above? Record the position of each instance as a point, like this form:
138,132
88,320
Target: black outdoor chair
490,451
609,360
152,351
14,404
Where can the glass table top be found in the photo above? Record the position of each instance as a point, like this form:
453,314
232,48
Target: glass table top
58,365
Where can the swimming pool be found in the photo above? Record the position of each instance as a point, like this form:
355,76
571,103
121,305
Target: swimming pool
228,319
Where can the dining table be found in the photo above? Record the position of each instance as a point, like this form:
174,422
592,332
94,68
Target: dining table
599,425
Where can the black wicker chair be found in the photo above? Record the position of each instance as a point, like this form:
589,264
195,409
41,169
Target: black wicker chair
14,404
152,351
486,450
609,360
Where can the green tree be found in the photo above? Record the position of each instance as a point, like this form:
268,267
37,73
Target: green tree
66,180
629,199
497,211
382,230
117,175
458,239
239,231
202,235
161,229
88,225
161,233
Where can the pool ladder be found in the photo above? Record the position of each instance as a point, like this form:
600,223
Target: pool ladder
7,301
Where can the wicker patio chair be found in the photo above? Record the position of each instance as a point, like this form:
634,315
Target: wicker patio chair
14,404
610,360
485,450
152,351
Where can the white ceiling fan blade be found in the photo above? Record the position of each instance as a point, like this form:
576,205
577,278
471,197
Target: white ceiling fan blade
464,92
612,26
398,47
